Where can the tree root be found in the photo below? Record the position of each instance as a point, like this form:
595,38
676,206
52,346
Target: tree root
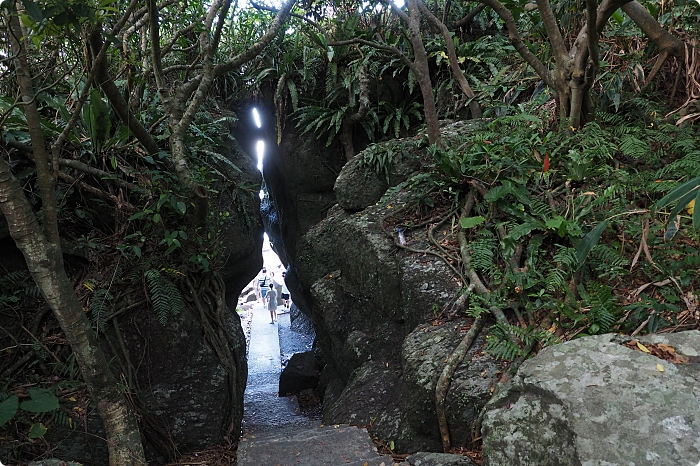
443,383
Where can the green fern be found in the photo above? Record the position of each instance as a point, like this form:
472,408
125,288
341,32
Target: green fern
565,263
499,344
633,147
609,262
165,296
604,311
483,251
689,165
99,308
59,417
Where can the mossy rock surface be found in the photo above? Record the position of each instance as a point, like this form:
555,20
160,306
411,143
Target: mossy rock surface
594,401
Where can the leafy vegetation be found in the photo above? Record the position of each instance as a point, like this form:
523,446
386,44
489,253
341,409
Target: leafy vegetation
580,185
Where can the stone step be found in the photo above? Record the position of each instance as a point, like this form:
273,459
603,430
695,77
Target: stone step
320,446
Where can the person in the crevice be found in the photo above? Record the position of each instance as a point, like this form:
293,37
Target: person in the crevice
263,281
272,303
285,291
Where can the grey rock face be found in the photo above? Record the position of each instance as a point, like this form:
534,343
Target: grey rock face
88,450
374,396
181,379
301,322
365,297
595,402
358,187
243,228
423,357
438,459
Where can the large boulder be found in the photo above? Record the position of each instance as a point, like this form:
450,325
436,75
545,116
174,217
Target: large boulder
594,401
366,296
183,384
374,398
300,374
358,188
242,227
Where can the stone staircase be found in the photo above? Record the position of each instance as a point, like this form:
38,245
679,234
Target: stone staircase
318,446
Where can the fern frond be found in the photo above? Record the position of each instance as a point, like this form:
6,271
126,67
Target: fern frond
565,263
165,296
499,344
603,307
99,308
483,251
633,147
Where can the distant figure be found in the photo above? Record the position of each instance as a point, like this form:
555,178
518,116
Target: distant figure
272,303
285,291
263,282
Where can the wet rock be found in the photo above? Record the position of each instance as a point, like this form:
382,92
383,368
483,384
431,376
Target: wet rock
423,354
301,322
438,459
593,401
320,446
301,373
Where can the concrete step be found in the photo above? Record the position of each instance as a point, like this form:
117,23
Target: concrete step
320,446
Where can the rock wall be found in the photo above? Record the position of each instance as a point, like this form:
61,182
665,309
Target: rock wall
299,175
371,302
187,399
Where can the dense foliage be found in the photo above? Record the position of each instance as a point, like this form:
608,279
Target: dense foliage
584,171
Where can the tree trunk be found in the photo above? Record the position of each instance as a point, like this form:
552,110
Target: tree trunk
46,181
664,41
45,264
44,258
420,59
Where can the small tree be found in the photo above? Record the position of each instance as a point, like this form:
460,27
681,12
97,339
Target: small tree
576,68
42,251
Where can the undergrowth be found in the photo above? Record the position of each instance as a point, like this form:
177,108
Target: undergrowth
563,230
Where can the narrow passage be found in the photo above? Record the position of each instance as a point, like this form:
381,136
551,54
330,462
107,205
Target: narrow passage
264,409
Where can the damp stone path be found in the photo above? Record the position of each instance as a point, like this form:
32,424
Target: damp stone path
263,408
275,433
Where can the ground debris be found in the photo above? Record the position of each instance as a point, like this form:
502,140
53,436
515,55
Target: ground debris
660,350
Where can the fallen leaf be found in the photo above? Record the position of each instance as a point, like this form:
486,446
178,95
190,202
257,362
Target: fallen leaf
643,348
666,347
659,367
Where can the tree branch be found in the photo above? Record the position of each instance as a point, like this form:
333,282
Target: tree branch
517,42
470,16
454,63
82,98
552,27
664,41
249,54
104,80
